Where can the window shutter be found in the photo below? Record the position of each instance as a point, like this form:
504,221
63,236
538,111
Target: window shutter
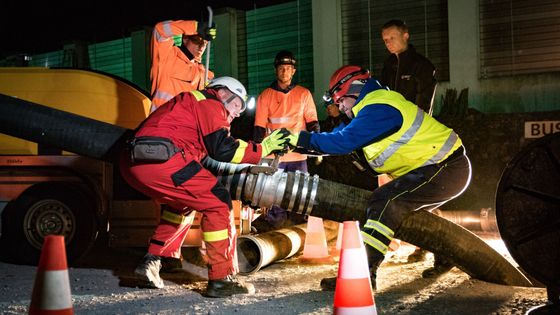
519,37
361,31
286,26
114,57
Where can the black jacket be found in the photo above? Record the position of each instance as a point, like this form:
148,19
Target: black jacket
412,75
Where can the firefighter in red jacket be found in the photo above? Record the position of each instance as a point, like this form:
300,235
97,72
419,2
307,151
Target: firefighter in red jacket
177,69
195,125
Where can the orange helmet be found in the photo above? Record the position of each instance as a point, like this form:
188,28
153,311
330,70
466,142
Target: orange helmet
341,81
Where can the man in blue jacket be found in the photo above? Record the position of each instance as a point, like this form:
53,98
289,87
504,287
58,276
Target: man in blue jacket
425,159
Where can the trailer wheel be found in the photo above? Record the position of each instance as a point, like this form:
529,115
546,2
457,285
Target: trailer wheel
47,209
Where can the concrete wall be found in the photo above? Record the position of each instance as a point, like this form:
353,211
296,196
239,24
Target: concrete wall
463,49
225,45
327,47
522,93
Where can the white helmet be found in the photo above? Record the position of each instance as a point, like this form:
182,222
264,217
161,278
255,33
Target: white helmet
231,84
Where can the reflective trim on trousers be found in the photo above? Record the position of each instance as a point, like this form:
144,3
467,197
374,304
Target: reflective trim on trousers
380,227
215,236
177,218
375,243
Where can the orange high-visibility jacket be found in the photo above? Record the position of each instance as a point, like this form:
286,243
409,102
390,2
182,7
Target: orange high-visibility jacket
291,110
172,72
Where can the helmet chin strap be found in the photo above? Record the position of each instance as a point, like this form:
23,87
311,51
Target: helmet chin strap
230,99
226,103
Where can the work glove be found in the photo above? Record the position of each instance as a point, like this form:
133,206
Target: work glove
293,139
207,33
275,142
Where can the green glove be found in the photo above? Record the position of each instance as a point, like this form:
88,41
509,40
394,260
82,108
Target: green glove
293,139
207,32
276,141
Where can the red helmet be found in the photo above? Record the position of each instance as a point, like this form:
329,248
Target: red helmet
341,81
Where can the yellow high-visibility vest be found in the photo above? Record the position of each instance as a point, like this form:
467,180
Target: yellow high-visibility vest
421,140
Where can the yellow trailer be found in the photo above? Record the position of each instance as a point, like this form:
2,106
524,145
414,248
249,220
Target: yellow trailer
44,190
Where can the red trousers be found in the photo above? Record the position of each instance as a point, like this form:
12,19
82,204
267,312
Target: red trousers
183,184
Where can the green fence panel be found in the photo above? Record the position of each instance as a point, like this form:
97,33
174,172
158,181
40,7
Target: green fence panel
114,57
286,26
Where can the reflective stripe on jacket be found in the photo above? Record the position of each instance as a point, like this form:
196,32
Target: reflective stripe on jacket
420,141
291,110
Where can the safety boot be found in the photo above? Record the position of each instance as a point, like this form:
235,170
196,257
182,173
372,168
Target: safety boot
147,272
329,284
171,265
228,286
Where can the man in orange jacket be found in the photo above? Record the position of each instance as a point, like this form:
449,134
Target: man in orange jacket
285,105
177,69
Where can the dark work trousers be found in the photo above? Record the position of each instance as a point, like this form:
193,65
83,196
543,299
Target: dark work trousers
425,188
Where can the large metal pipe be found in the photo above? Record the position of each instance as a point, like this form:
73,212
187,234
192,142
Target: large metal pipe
310,195
480,222
298,192
260,250
294,191
257,251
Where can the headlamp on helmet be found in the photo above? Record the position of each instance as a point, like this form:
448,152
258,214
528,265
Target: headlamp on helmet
284,57
342,80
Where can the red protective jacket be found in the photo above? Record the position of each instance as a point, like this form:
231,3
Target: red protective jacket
172,71
200,128
195,122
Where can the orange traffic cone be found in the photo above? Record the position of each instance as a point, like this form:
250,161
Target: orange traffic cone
315,249
336,250
353,293
339,237
394,245
51,291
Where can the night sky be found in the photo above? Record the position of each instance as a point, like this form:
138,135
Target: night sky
42,26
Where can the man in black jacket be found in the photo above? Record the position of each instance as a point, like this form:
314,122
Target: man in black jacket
406,71
412,75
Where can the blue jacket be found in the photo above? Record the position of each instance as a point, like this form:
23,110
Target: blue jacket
372,124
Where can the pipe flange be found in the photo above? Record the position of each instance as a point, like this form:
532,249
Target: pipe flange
281,187
258,190
303,193
271,184
240,185
311,202
295,187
